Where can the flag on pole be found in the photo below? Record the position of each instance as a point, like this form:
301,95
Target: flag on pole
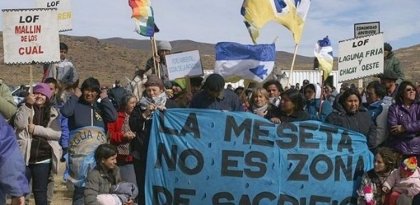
324,53
252,62
143,17
257,13
292,15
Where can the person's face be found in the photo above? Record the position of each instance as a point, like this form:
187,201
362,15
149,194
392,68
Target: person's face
63,54
130,105
409,93
287,105
371,96
163,53
273,92
153,91
388,83
176,89
352,104
379,164
110,163
386,53
309,94
90,95
40,99
260,100
53,88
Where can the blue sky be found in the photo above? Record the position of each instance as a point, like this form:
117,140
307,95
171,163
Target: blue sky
220,20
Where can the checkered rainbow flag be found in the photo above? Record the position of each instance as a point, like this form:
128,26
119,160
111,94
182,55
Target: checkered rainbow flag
143,17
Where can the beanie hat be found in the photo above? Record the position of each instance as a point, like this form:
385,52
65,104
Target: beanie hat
44,89
214,82
153,80
91,83
409,165
180,82
387,47
164,45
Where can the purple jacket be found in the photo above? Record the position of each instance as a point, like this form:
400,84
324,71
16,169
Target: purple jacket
12,167
409,142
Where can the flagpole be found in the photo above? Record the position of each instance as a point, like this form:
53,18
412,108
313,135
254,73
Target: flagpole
293,64
155,52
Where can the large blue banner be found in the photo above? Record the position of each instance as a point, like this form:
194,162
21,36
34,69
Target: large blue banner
215,157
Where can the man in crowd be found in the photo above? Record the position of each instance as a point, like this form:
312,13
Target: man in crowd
214,96
64,71
389,80
163,48
13,181
391,63
274,90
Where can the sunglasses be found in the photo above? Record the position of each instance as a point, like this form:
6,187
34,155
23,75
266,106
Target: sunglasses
410,89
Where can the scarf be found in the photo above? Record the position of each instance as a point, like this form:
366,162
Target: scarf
159,101
260,110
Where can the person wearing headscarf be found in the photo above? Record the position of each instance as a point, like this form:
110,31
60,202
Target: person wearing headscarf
140,122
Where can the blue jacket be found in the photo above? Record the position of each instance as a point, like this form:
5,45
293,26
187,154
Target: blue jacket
13,181
312,107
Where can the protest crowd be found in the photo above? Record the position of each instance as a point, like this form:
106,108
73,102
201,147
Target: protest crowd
50,124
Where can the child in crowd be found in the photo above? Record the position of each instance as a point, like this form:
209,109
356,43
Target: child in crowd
370,192
103,186
403,183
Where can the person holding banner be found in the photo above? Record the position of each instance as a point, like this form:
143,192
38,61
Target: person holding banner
291,106
64,71
87,121
163,48
261,106
141,123
404,121
38,130
350,114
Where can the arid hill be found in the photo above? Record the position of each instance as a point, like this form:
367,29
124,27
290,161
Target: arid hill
116,59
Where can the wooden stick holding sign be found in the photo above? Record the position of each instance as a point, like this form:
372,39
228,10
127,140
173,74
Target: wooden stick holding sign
156,53
293,64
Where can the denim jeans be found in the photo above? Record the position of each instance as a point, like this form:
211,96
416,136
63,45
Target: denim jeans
79,196
39,173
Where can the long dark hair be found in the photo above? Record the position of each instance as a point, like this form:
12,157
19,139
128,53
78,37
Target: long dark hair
124,101
295,97
347,94
104,151
399,97
389,157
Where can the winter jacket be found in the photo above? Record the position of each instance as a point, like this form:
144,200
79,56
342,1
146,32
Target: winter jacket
313,108
294,117
81,114
410,184
409,142
8,107
375,181
99,182
359,122
378,112
228,100
116,136
391,63
13,181
51,133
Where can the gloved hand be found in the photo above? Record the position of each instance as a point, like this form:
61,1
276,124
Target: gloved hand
63,159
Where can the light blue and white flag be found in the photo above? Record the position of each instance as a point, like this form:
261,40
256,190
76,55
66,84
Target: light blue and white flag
324,53
251,62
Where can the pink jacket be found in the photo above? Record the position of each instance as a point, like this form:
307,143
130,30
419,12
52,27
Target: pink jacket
410,185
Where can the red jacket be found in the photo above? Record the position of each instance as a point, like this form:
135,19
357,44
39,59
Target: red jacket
116,136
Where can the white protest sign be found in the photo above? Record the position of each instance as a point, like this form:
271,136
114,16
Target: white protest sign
64,12
366,29
360,57
184,64
30,36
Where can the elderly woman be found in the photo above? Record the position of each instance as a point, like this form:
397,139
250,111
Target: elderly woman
121,136
86,118
404,120
291,106
38,131
318,109
141,123
350,114
261,106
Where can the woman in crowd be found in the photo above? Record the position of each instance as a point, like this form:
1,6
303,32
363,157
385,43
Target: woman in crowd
350,114
261,106
38,131
141,123
404,120
318,109
291,106
86,115
370,190
121,136
103,182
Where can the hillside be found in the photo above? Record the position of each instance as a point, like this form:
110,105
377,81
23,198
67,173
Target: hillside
116,59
